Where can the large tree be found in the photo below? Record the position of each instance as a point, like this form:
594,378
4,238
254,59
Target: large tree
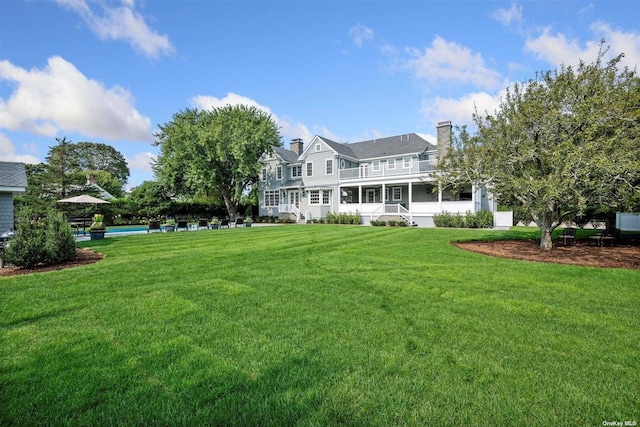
559,143
214,152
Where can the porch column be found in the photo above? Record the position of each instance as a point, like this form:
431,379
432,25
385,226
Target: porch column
409,202
384,201
360,198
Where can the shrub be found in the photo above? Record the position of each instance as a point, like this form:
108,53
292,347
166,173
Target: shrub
43,241
484,219
392,222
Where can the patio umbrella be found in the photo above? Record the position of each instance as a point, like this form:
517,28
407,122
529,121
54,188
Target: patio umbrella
83,199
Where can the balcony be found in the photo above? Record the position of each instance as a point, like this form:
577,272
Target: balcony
368,171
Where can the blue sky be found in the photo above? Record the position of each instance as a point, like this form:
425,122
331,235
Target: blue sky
112,71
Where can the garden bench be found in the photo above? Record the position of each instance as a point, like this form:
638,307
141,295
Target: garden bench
606,236
239,222
567,235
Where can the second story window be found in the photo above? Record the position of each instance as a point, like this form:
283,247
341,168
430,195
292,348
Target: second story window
391,164
329,167
310,169
279,172
264,174
406,163
296,171
375,165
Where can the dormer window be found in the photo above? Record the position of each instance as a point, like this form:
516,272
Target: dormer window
318,147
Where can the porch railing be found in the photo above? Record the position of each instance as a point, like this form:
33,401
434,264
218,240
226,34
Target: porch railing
393,209
368,171
290,208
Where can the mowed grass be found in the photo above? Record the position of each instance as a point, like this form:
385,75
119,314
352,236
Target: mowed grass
318,325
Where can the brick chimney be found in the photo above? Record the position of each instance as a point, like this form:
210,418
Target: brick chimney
297,146
91,179
444,138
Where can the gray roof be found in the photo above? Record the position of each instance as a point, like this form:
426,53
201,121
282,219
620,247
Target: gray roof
390,146
343,149
12,175
288,156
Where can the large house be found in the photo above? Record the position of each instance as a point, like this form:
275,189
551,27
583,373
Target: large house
387,177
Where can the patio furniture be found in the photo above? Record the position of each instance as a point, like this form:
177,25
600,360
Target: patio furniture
224,223
239,222
605,237
153,225
203,222
184,224
568,235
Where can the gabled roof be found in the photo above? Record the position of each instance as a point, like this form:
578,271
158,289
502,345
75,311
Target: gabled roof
391,146
288,156
343,149
13,176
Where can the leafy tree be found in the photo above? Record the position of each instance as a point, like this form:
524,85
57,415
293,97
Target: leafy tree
215,153
557,144
69,163
148,199
61,162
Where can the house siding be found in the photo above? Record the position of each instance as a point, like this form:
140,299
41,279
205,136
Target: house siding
6,212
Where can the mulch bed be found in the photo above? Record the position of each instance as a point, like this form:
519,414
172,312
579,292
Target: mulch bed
83,257
581,253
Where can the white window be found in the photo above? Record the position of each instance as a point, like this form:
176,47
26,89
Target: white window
329,166
391,164
375,166
318,147
314,197
397,194
279,172
271,198
325,197
406,163
310,169
264,174
296,171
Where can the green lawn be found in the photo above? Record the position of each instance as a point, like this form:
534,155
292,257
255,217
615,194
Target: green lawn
318,325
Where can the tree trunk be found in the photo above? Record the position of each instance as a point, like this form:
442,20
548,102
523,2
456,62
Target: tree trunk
546,227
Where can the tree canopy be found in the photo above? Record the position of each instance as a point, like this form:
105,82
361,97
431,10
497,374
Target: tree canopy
559,143
214,152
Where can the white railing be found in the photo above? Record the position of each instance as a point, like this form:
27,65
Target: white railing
290,208
392,209
368,171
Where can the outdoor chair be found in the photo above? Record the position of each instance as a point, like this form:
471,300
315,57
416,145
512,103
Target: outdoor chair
568,236
239,222
203,222
606,236
153,225
184,224
224,223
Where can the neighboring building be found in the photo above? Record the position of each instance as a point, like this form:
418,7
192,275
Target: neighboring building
382,177
13,179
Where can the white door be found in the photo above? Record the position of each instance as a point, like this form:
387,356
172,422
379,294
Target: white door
294,198
371,196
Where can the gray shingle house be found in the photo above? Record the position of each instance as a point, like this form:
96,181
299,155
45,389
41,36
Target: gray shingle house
381,177
13,179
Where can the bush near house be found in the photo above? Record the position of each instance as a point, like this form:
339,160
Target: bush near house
41,241
481,219
342,218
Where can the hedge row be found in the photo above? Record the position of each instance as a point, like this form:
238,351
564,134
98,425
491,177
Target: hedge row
481,219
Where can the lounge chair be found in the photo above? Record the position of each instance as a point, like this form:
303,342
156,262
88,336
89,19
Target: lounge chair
153,225
203,222
184,224
224,223
239,222
568,235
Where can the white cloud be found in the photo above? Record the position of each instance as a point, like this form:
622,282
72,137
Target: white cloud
449,61
289,129
360,33
509,17
8,152
459,111
557,49
142,161
121,23
60,98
